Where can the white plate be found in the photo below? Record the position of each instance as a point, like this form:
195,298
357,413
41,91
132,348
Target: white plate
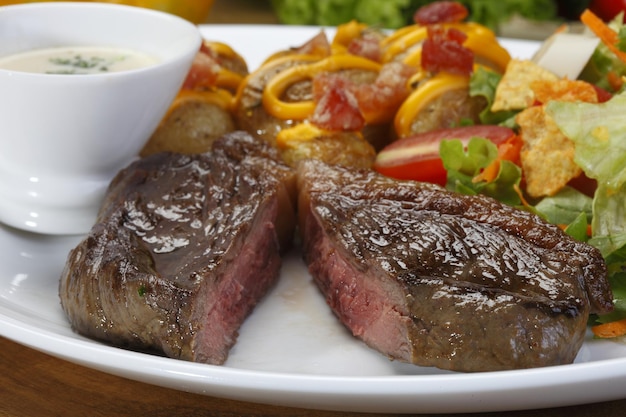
291,350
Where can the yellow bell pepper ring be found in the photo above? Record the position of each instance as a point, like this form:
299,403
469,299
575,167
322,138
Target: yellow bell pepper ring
277,62
403,43
480,39
222,49
397,34
347,32
303,109
302,132
219,97
226,78
422,96
483,43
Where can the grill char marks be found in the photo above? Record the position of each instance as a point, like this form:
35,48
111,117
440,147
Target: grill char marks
183,248
439,279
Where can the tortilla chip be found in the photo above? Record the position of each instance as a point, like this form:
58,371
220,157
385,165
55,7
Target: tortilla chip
513,91
564,90
547,156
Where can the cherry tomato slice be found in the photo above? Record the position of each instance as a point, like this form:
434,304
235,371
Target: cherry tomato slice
417,157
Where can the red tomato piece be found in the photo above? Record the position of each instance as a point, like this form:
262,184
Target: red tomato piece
389,89
203,71
443,50
607,9
367,47
337,108
603,95
417,157
317,45
440,12
342,104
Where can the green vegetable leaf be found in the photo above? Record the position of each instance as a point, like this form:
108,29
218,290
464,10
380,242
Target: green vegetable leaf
609,210
503,187
565,207
483,83
599,132
578,228
621,36
463,165
480,152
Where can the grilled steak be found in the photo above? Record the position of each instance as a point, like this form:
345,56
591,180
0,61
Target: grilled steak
183,248
439,279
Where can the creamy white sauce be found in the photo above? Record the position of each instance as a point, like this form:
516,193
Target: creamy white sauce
76,60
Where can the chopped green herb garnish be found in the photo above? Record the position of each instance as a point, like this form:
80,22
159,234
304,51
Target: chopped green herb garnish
78,62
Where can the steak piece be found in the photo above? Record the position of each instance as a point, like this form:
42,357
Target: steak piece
183,248
435,278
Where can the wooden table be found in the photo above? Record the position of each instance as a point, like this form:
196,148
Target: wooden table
33,384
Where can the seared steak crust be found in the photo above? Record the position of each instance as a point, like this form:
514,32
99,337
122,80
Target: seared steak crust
183,248
439,279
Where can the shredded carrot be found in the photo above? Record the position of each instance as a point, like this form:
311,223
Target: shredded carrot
607,35
521,196
615,81
508,150
611,329
489,173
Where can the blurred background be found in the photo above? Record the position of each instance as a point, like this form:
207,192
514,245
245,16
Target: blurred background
530,19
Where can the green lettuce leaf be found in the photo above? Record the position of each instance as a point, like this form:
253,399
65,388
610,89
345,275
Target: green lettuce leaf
463,165
565,207
609,208
578,228
621,36
483,83
599,134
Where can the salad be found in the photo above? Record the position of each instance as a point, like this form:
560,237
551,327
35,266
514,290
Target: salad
564,157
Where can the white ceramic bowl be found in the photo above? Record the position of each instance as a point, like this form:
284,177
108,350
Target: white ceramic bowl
63,137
